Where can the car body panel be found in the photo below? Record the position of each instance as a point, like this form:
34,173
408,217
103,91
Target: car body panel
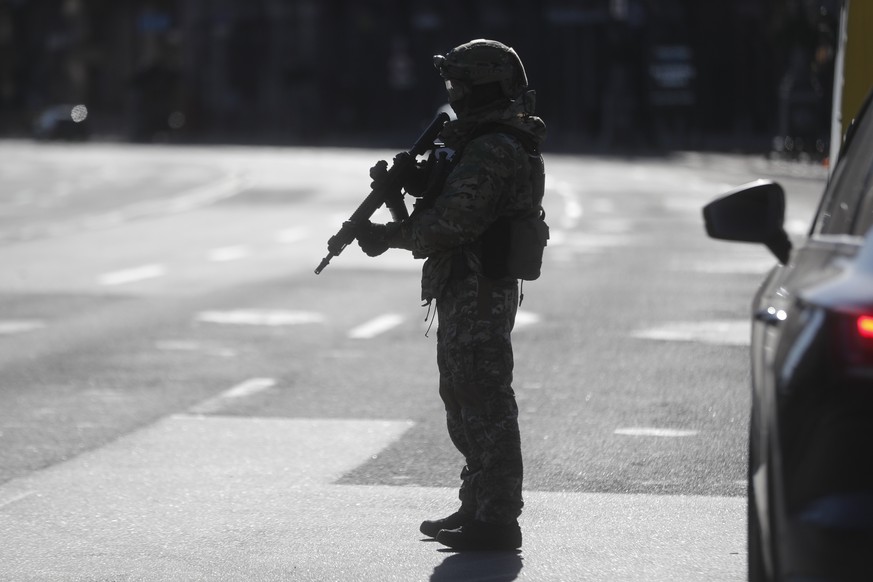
810,437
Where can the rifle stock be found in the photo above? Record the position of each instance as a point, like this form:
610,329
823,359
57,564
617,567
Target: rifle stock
386,192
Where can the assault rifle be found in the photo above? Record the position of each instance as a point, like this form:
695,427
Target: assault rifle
387,190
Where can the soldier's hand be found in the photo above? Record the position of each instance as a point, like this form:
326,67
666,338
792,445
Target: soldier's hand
375,239
416,178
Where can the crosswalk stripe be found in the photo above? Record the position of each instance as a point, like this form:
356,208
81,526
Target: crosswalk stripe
210,488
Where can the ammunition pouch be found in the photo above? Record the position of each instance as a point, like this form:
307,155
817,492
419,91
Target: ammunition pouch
513,246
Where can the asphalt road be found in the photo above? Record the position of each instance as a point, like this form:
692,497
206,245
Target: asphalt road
182,398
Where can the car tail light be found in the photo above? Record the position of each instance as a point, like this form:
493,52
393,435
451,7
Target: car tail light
865,326
854,341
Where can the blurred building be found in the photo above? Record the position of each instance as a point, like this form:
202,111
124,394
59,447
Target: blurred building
610,74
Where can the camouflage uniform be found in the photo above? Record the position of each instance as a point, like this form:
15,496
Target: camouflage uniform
491,178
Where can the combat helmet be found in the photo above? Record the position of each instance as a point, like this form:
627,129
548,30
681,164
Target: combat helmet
481,62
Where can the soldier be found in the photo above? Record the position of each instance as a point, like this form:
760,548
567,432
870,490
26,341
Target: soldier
496,174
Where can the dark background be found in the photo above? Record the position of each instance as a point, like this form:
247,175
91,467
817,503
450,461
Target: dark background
610,75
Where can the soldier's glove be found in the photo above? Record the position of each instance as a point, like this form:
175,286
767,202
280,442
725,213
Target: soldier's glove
375,239
413,180
378,174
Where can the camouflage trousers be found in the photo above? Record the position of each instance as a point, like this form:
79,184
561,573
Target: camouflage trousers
474,355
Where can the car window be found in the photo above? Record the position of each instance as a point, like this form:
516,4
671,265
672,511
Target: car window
865,214
864,218
849,191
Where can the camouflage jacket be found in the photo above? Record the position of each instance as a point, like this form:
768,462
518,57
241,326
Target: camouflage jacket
491,178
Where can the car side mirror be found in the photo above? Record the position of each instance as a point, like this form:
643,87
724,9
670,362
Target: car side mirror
754,212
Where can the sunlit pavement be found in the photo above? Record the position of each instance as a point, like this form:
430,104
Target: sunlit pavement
222,498
182,399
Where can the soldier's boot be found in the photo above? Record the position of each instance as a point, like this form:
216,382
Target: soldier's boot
482,536
431,528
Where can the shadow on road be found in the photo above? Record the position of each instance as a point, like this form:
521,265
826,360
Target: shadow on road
472,566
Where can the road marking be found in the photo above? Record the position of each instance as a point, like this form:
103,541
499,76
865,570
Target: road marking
185,201
797,227
603,205
594,242
231,253
197,197
242,390
265,317
525,318
654,432
6,502
291,235
572,211
614,225
248,388
719,332
194,346
12,326
178,345
207,486
376,326
727,266
132,275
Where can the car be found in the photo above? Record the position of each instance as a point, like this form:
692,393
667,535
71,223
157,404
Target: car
810,461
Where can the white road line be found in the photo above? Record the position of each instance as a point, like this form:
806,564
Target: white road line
178,345
603,205
572,211
376,326
132,275
291,235
727,266
248,388
720,332
191,199
200,195
612,225
526,318
260,317
593,242
797,227
10,327
655,432
242,390
230,253
193,346
15,498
